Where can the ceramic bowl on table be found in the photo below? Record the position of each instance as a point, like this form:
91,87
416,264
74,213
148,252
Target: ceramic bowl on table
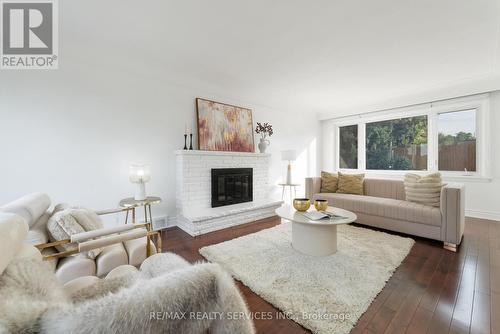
301,204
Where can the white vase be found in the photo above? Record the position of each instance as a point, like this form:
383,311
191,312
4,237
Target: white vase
263,144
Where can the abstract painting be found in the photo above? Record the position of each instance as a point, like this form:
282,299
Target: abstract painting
223,127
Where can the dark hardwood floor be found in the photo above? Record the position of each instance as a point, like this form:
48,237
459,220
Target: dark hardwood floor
433,291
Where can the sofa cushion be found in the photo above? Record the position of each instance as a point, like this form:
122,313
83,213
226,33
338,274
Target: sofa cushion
385,207
30,207
121,271
386,188
424,189
136,250
329,182
110,258
351,183
71,267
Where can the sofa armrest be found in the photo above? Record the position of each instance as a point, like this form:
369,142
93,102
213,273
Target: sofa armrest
453,212
313,186
102,232
111,240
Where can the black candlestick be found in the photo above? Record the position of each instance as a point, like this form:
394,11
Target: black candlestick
185,141
190,141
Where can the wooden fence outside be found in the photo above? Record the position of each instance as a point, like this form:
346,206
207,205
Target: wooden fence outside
416,154
454,157
458,156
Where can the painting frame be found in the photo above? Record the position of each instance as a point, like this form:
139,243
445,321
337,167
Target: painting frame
206,144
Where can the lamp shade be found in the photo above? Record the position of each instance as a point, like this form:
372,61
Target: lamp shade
289,155
139,173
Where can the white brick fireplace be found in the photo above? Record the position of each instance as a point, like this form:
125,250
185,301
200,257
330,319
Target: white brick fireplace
195,214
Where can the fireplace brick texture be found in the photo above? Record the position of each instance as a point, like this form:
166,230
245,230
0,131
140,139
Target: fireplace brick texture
193,176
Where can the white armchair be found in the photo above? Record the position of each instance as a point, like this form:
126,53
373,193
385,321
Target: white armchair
124,244
160,297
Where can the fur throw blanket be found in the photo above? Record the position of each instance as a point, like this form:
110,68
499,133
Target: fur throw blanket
167,295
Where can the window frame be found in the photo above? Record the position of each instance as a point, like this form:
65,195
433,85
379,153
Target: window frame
482,106
337,149
480,103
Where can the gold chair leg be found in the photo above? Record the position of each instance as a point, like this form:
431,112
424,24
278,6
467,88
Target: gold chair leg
148,245
158,242
148,227
150,216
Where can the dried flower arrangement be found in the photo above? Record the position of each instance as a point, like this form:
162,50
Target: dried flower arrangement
264,130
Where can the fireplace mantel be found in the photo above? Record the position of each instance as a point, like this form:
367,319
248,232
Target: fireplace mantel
221,153
195,214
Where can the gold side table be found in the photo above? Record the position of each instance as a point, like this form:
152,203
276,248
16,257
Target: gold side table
130,204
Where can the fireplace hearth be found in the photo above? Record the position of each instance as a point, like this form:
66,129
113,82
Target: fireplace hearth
231,186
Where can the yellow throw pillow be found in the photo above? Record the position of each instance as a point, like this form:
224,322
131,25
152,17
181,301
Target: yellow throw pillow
329,182
351,183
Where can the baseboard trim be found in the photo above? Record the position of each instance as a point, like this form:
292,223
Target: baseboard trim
172,221
490,215
162,222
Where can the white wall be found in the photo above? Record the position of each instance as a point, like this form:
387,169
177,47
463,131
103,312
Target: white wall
483,199
482,196
73,132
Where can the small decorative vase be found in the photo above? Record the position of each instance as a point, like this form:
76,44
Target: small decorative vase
263,144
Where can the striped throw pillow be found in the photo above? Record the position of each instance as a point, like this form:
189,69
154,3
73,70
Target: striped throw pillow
424,189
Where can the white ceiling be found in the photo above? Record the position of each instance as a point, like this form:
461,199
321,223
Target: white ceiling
323,56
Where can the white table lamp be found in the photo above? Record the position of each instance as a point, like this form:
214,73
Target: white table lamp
289,155
140,174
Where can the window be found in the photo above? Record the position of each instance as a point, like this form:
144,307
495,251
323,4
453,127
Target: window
348,146
450,136
397,144
457,141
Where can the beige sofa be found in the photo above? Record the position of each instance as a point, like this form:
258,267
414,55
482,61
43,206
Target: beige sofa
34,209
383,205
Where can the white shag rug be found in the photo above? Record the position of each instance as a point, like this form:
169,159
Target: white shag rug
324,294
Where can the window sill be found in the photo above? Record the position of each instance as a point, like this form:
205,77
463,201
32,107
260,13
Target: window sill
467,178
399,175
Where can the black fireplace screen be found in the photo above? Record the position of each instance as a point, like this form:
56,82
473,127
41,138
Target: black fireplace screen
231,186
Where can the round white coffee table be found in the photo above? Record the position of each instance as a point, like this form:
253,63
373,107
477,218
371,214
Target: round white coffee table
315,237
